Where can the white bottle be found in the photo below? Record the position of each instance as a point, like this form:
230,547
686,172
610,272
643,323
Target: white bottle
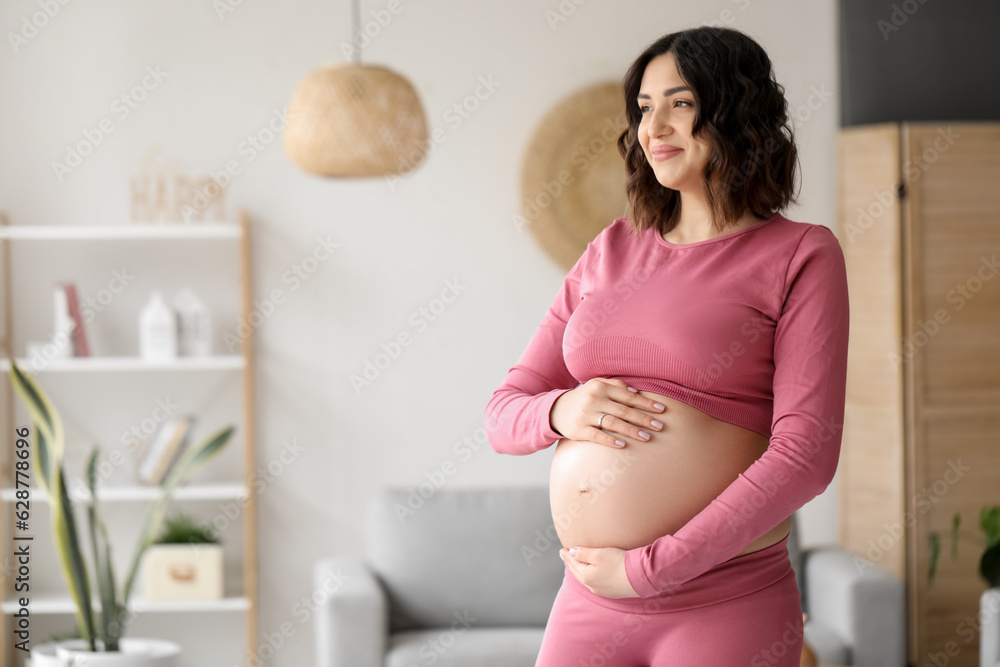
157,330
194,329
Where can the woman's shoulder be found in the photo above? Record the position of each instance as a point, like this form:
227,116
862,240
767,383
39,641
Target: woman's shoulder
801,237
620,229
613,236
800,229
811,248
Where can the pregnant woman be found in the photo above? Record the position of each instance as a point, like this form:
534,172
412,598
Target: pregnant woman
691,372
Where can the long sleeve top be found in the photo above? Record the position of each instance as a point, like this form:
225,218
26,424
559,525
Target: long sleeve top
750,327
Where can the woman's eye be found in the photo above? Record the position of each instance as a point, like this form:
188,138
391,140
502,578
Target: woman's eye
642,108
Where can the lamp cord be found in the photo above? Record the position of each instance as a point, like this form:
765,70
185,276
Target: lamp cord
356,21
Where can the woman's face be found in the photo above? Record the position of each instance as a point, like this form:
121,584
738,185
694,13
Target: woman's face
668,111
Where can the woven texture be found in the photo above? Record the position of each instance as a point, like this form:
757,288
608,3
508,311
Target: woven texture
353,120
573,178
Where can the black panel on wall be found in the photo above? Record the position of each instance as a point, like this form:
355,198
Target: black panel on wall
919,60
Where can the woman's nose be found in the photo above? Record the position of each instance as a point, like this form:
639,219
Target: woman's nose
659,125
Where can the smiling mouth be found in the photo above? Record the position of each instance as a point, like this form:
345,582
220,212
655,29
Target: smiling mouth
666,154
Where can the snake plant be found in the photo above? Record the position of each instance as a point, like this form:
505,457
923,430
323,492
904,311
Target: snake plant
47,453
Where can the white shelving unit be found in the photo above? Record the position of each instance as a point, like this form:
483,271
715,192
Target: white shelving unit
60,604
111,232
135,493
98,364
242,363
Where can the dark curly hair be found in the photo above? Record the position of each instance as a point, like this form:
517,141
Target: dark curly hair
741,111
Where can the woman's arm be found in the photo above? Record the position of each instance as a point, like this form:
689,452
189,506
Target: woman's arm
517,416
810,374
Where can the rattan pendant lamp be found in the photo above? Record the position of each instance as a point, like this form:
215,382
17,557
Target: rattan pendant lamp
350,120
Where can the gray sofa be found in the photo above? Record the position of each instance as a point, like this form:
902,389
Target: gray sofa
467,576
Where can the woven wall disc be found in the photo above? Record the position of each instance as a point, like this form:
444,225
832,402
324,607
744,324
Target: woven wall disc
351,120
573,179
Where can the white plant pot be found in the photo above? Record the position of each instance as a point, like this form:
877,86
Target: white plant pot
182,572
132,652
989,634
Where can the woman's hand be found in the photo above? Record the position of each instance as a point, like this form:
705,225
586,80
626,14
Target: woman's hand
601,569
577,412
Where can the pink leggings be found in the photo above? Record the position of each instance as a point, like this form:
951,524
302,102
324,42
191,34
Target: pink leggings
744,611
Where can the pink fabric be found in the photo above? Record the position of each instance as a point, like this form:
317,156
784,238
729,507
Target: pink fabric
750,327
745,611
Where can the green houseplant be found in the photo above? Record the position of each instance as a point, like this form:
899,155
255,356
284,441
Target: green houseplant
47,451
183,529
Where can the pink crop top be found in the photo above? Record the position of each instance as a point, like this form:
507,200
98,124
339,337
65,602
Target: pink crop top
750,327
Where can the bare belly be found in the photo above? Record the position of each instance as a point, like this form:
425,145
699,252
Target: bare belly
626,498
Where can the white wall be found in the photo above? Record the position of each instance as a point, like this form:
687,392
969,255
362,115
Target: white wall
448,221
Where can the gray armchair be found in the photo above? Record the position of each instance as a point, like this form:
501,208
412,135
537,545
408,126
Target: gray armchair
468,577
856,610
463,577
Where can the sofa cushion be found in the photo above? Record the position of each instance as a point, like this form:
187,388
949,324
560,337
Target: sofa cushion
490,553
483,647
828,647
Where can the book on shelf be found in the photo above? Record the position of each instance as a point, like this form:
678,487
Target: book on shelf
164,449
80,347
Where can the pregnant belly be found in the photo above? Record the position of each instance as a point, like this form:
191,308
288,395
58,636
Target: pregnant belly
607,497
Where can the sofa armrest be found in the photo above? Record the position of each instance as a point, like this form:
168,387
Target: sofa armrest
860,602
352,615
